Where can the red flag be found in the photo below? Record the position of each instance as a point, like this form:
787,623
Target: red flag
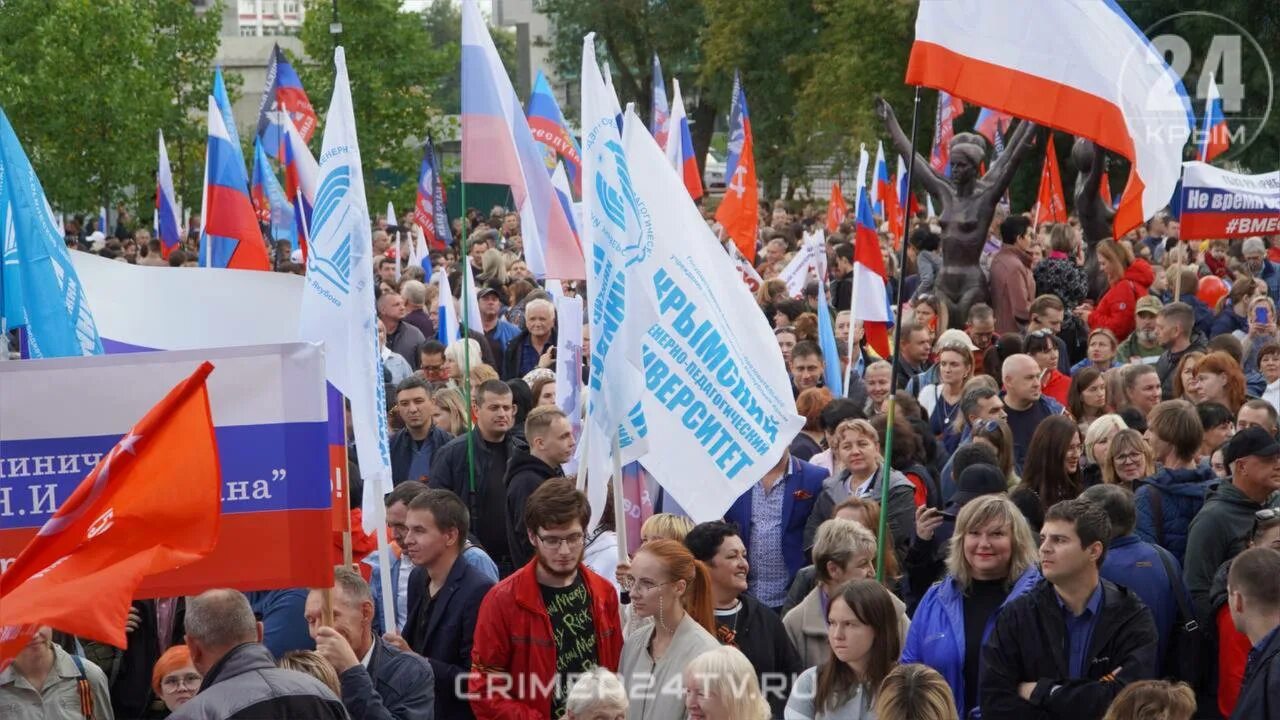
152,504
1051,206
739,213
837,209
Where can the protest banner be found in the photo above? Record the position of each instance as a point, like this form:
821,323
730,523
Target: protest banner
1218,203
719,408
269,413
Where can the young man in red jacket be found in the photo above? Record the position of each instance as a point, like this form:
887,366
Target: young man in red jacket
548,622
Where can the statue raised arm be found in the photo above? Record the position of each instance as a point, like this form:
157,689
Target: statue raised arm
968,206
1096,217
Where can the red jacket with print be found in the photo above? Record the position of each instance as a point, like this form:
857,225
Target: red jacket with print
513,657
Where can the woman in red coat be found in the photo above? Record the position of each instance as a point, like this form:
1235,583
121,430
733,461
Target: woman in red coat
1128,280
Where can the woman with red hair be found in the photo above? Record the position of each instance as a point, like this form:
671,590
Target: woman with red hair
1220,380
175,679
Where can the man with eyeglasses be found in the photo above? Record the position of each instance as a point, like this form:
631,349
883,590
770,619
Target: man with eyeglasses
552,619
980,326
1219,530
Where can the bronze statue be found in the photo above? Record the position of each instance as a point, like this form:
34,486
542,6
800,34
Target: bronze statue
968,205
1095,215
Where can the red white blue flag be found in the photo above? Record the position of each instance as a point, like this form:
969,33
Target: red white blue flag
230,236
660,116
168,221
680,148
548,126
282,97
1215,138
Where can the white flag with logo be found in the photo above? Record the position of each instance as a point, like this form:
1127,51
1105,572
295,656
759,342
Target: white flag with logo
719,404
337,297
617,234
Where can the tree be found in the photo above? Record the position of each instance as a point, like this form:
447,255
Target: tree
628,33
400,75
87,84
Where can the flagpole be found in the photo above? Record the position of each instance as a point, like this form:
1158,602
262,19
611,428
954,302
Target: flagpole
619,512
853,294
463,246
882,531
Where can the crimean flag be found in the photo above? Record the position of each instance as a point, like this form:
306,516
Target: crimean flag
949,107
1215,137
230,237
837,208
990,122
283,97
871,294
660,115
498,148
1051,204
123,523
739,212
428,209
888,191
168,220
680,147
548,126
1117,90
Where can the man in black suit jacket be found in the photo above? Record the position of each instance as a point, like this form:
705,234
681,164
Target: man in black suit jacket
444,596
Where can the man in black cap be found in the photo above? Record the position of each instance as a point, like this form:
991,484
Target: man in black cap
926,558
1218,531
497,331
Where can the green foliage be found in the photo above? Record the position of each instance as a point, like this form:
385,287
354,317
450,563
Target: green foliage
396,75
87,83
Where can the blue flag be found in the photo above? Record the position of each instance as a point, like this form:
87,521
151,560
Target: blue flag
827,341
39,288
224,108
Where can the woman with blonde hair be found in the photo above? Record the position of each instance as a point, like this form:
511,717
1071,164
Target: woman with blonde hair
863,646
1153,700
666,526
1097,446
843,551
992,561
858,450
597,694
1129,459
450,413
721,684
312,663
915,692
674,589
459,354
493,268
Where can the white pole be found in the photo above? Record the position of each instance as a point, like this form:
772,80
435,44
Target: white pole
619,512
384,577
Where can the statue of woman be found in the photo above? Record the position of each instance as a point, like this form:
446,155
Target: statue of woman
968,204
1095,215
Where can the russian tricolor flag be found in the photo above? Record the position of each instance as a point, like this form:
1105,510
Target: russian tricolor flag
870,295
1215,138
283,97
168,221
498,148
301,176
887,189
230,236
680,145
1116,90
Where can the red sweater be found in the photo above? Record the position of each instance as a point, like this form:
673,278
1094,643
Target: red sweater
1115,309
513,657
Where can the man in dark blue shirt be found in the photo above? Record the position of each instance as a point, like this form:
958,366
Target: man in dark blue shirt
1069,646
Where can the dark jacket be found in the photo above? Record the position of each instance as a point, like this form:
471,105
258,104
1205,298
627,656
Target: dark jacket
246,684
1181,495
421,320
1137,565
405,341
449,630
449,472
1167,365
760,635
396,685
1228,322
512,357
1260,695
1217,532
128,671
403,451
902,507
1204,316
1028,644
804,485
524,474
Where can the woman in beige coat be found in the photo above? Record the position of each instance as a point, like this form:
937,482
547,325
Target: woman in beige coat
843,550
671,587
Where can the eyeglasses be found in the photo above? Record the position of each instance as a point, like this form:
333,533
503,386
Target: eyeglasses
555,543
1042,332
643,587
1129,458
174,682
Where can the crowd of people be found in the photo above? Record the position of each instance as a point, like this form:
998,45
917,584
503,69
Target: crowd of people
1080,521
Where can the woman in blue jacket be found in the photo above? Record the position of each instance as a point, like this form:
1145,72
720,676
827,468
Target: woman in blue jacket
992,561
